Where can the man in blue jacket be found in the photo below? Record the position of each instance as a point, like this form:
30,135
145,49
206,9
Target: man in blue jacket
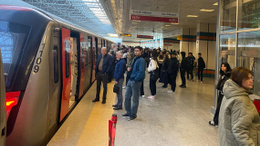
103,69
119,78
133,86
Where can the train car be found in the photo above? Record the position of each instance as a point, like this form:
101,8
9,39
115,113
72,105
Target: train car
48,66
2,104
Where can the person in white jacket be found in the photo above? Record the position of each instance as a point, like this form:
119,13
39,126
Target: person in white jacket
153,69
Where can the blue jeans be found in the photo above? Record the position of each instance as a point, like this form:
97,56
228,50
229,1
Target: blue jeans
119,94
132,90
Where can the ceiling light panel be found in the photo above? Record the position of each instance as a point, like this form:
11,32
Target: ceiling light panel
207,10
194,16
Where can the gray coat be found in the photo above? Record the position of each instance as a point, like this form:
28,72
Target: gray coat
239,121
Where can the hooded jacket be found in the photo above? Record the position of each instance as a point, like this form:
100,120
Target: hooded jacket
239,121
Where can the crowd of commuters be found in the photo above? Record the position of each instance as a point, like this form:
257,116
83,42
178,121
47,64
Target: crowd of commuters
160,64
235,115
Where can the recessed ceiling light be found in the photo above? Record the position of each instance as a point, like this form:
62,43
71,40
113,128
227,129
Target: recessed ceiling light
215,4
167,25
112,35
206,10
192,16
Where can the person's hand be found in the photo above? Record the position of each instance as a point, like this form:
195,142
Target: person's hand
129,69
116,82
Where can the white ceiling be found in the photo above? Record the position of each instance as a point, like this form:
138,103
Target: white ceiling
119,13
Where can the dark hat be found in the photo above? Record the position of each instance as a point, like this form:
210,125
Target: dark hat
174,53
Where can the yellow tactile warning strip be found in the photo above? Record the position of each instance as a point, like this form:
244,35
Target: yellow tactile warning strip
95,132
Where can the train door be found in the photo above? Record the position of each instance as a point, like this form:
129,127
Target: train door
98,50
74,70
94,55
2,104
82,53
55,79
66,73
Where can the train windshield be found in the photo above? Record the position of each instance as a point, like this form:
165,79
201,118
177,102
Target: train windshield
12,39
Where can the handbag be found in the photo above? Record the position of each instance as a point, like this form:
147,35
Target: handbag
116,88
155,74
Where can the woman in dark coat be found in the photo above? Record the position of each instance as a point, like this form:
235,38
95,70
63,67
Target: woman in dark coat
225,73
164,74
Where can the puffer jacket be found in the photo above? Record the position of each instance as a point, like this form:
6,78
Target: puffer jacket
239,121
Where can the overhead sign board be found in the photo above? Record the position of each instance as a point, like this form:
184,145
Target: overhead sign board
154,16
153,13
127,35
145,36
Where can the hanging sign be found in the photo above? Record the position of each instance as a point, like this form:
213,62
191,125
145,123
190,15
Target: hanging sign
127,35
145,36
154,16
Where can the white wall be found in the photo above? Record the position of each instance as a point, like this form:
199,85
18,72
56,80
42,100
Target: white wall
174,46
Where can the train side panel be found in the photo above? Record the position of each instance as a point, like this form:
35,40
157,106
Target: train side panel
31,123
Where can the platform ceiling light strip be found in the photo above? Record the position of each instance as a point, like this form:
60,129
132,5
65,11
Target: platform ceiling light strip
98,10
194,16
215,4
112,35
207,10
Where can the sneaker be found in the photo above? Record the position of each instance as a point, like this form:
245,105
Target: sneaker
212,123
114,105
201,82
123,87
143,96
117,108
95,100
131,118
169,91
125,115
151,97
183,86
192,80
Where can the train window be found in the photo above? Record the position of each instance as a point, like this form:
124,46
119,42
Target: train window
55,64
67,64
12,39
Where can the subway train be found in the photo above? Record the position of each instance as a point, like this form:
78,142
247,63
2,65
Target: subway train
48,66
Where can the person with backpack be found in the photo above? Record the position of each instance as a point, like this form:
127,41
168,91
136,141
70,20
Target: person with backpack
183,69
201,66
153,69
172,72
191,60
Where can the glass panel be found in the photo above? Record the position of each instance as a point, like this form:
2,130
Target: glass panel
228,15
249,55
12,38
249,14
227,49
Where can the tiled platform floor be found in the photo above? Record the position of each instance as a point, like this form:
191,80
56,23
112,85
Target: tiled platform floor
168,120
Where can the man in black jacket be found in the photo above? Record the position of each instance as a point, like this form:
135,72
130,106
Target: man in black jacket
191,60
103,70
183,69
172,72
201,66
